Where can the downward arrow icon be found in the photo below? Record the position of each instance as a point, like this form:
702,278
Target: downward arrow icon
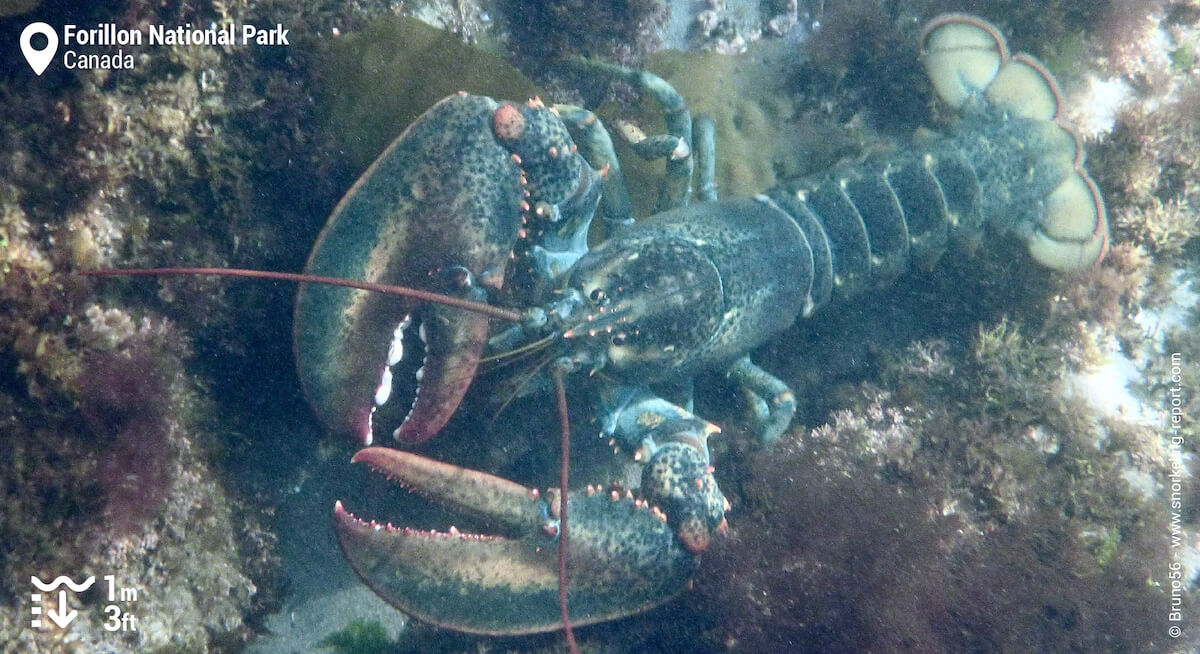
64,615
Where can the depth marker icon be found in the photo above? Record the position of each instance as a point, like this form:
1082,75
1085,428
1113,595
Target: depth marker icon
60,615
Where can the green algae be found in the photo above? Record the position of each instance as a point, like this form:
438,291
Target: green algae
380,79
1183,58
359,637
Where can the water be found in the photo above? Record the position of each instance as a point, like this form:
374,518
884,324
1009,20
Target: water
942,487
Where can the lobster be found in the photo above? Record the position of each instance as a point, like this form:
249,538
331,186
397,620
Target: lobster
479,200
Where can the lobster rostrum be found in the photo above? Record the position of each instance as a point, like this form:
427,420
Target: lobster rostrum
478,197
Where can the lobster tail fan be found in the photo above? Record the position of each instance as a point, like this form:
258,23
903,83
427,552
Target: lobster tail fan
1025,89
1073,233
967,61
962,55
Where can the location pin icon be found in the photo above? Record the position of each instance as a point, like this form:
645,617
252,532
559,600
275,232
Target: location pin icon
39,59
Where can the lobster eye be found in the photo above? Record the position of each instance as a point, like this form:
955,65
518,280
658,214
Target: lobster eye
460,277
598,296
618,340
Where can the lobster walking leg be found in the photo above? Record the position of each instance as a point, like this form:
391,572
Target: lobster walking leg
704,152
596,145
675,146
772,402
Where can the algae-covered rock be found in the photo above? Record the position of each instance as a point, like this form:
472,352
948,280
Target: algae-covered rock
623,31
18,7
380,79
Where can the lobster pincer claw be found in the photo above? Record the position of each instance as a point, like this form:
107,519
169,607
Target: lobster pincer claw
622,559
440,210
679,479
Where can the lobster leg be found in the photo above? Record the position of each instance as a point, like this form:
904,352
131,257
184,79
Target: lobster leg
675,146
596,145
704,151
773,403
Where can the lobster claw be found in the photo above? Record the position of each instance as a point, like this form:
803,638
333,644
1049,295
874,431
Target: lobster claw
440,210
622,557
444,199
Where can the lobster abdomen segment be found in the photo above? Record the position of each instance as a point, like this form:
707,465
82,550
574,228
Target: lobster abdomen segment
865,224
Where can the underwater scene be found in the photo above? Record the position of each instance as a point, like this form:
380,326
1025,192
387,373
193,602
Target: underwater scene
846,325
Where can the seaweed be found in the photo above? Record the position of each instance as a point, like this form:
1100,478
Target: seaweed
359,637
839,554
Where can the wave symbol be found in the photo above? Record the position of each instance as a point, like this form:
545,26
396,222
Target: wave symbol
61,580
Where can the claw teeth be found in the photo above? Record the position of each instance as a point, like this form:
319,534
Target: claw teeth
341,514
396,349
658,513
395,354
385,388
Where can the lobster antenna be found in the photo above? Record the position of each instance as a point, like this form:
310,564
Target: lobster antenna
528,348
560,393
387,289
537,367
